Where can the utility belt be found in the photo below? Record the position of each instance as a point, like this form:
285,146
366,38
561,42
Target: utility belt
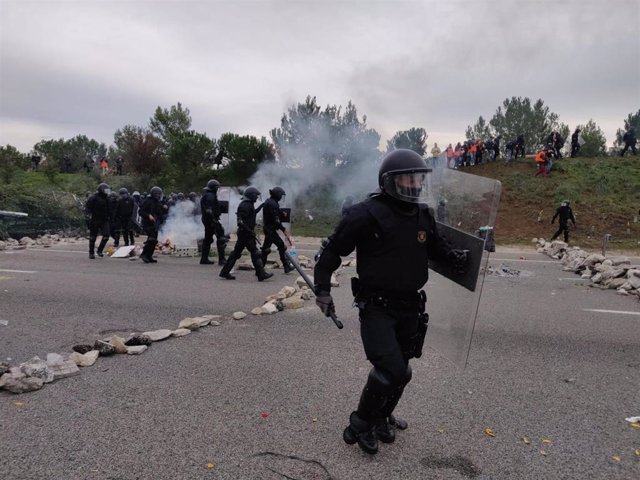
411,301
386,298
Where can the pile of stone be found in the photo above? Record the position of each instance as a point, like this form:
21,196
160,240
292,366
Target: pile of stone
33,374
616,273
41,241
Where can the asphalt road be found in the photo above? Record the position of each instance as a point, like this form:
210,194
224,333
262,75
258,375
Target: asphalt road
542,365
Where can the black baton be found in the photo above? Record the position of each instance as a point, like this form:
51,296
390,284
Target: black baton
296,265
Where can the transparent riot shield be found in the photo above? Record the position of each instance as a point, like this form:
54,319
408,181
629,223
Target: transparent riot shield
465,207
224,199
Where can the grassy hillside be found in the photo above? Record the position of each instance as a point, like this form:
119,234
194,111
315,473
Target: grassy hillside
604,194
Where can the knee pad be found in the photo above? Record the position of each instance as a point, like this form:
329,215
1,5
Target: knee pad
379,382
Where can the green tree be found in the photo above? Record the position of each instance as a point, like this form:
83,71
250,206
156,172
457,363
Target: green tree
245,153
481,130
414,139
141,150
309,135
167,124
595,143
632,121
11,160
191,152
518,116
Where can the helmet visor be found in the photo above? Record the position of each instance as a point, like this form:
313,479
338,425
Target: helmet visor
410,187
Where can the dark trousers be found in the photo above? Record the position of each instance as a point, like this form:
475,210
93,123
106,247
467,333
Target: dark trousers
628,146
123,226
212,228
151,231
271,237
98,227
388,336
564,228
248,241
575,148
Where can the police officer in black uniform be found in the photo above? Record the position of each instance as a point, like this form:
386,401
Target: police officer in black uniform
123,218
246,217
271,216
394,234
98,209
151,213
565,214
211,211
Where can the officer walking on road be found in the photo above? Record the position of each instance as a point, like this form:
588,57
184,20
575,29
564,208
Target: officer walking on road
246,217
394,235
151,212
564,214
271,215
98,209
211,211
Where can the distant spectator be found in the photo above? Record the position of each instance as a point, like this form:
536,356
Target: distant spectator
457,156
541,161
496,147
629,139
104,165
346,204
35,162
519,147
450,156
556,142
576,143
119,162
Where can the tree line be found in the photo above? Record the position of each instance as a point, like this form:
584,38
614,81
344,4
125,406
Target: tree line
331,137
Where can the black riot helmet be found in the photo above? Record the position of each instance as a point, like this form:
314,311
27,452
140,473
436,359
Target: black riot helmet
193,196
180,196
124,192
251,193
277,193
156,192
212,185
403,175
104,188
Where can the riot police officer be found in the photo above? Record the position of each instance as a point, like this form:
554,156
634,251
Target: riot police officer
246,217
210,211
564,214
394,234
271,216
151,212
575,143
98,209
123,218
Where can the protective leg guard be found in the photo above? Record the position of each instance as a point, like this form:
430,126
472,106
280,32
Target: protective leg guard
259,266
92,247
221,255
374,395
392,402
362,432
103,243
225,272
204,258
286,264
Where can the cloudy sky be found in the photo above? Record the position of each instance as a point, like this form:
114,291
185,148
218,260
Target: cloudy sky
92,66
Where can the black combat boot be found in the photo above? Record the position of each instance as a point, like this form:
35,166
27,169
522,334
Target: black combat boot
260,271
385,432
363,432
221,256
286,264
204,259
226,270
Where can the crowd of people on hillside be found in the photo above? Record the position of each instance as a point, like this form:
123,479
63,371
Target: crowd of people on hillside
476,152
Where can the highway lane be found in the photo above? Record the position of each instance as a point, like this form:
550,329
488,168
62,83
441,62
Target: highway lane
546,363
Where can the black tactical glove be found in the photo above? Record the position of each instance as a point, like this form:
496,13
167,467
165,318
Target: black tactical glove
458,259
324,301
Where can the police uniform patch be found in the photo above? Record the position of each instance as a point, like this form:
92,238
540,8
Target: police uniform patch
422,236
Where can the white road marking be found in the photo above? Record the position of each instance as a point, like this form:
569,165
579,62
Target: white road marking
621,312
17,271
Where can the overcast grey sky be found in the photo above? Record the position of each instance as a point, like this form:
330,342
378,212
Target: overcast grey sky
92,66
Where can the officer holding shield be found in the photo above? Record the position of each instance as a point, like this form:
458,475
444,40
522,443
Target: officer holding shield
394,235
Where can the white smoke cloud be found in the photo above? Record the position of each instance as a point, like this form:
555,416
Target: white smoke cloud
182,226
